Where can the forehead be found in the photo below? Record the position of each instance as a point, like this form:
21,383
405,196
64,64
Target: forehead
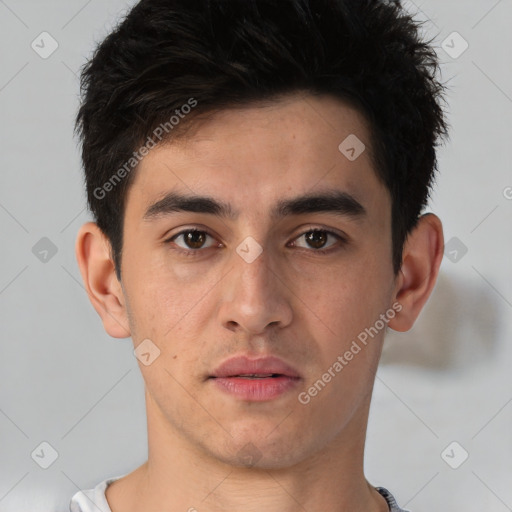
249,157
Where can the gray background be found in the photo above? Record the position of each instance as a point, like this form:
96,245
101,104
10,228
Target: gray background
64,381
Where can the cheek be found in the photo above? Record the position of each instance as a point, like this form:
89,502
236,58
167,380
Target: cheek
169,306
349,326
150,308
348,297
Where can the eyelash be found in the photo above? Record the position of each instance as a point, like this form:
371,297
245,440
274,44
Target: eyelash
195,252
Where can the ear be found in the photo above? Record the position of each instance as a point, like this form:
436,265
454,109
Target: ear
422,256
98,273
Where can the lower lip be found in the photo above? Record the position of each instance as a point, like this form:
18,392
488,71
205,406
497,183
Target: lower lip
256,390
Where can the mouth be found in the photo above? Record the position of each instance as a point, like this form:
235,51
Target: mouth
255,380
256,376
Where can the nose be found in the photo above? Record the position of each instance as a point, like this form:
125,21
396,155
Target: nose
255,297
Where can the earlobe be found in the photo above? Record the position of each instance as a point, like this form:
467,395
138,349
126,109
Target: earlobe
422,256
98,273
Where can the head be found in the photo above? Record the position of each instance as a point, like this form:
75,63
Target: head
286,117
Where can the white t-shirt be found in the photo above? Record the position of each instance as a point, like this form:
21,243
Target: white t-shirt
94,500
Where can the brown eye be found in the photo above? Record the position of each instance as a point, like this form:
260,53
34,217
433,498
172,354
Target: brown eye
192,238
317,239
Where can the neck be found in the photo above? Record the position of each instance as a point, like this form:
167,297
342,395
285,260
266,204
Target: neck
181,477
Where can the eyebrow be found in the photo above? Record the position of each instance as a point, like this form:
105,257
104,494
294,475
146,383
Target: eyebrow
333,201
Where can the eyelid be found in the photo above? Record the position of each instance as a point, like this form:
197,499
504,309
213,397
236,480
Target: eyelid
332,231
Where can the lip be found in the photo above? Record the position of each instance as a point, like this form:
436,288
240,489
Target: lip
244,365
229,377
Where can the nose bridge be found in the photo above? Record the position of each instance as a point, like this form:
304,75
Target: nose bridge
254,277
255,296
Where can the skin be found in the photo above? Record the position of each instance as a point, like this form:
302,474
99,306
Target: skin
291,302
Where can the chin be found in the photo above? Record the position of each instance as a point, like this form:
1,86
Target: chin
265,448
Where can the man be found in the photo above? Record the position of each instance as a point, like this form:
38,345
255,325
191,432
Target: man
257,171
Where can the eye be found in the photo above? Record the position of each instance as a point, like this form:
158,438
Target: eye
317,239
193,240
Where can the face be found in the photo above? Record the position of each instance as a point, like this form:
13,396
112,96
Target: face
300,283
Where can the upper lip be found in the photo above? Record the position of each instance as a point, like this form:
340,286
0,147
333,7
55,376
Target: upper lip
243,365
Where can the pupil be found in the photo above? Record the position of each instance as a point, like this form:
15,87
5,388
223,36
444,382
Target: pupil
192,239
313,237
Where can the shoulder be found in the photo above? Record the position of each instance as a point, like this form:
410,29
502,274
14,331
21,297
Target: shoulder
92,500
393,505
